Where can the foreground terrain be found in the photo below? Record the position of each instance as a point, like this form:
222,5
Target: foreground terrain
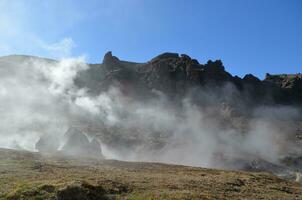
26,175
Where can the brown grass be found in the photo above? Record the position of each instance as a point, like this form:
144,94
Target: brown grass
31,176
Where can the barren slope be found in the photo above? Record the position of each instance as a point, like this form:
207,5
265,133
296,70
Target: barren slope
25,175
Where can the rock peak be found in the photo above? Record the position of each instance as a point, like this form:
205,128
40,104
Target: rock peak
109,58
165,56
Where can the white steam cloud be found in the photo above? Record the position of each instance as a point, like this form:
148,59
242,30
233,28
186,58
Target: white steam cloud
38,97
33,98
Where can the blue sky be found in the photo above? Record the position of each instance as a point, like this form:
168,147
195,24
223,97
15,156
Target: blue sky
249,36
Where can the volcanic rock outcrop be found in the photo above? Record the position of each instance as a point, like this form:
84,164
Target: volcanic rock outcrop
176,75
231,100
169,109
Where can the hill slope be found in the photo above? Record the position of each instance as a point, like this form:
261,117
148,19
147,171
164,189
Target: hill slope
27,176
171,109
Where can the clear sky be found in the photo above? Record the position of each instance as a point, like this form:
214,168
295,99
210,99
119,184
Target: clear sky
249,36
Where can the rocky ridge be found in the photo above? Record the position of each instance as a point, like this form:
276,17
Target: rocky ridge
176,75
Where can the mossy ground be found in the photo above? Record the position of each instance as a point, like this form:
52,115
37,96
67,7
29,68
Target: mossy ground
30,176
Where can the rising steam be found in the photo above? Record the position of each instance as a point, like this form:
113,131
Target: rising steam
38,97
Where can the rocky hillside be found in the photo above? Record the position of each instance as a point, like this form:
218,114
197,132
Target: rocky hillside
171,109
177,75
228,103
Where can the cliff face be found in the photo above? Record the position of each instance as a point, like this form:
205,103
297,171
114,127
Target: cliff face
176,75
226,102
289,86
169,109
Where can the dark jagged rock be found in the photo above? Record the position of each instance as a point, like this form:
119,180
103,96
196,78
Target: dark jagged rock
166,55
287,87
215,74
251,79
176,76
185,56
110,59
217,65
285,80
